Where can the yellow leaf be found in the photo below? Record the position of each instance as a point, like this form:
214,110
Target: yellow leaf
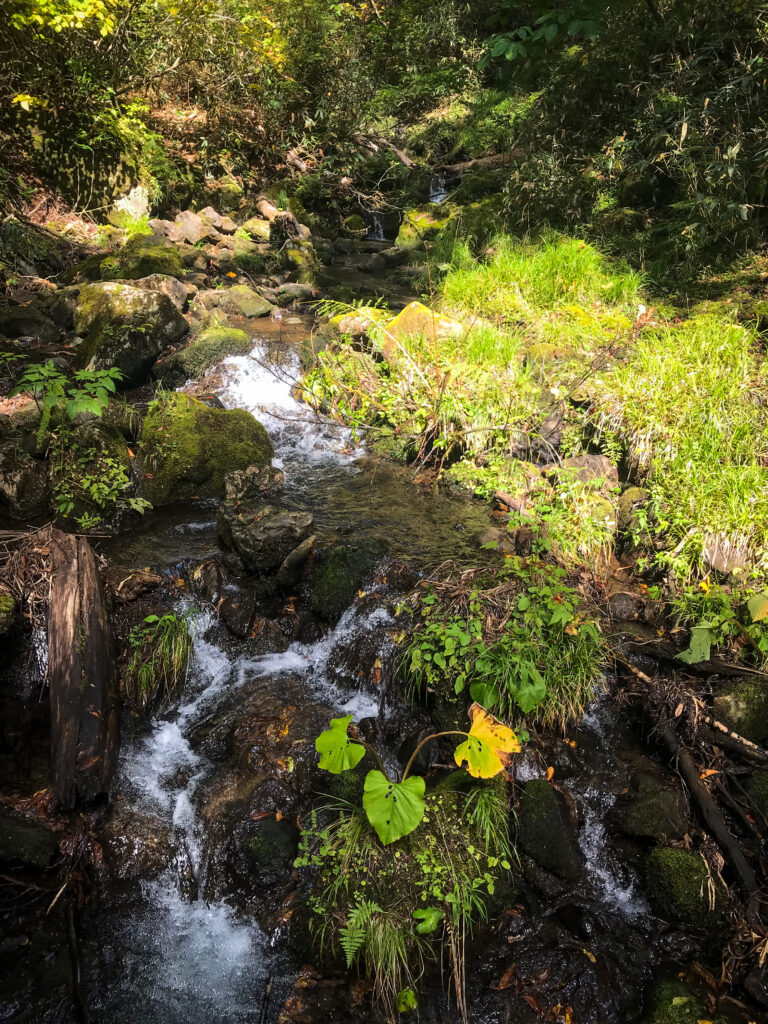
550,773
678,710
589,956
489,745
709,771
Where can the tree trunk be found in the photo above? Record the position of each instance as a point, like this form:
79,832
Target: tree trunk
82,676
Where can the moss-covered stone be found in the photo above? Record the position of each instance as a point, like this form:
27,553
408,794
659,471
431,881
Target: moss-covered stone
628,504
125,327
546,832
239,300
91,467
25,843
300,261
257,228
7,611
189,448
545,352
652,810
422,224
678,888
417,318
24,491
225,196
339,572
672,1003
355,225
743,705
142,260
209,348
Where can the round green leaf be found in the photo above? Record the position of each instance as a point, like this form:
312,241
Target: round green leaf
337,752
430,918
486,694
393,808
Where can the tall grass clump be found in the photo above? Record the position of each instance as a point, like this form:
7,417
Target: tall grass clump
691,402
160,649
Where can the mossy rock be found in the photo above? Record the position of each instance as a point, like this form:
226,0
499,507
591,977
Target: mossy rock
339,572
743,705
239,300
355,225
25,843
257,228
678,888
545,352
652,810
24,491
672,1003
7,611
246,257
224,196
189,448
626,509
300,261
209,348
136,261
757,789
546,831
422,224
125,327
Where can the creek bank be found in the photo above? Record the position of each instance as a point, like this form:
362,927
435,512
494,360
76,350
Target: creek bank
212,790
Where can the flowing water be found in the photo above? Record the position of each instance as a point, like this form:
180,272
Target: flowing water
177,946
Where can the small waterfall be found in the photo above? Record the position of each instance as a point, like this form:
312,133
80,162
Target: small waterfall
376,229
438,191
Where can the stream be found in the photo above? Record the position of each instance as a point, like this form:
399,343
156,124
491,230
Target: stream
181,934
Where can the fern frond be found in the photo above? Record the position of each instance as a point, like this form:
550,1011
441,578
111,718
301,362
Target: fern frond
352,935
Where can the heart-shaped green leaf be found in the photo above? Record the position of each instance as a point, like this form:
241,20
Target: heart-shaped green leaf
393,808
430,918
337,751
486,694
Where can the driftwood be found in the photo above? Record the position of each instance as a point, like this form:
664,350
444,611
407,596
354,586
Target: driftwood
82,675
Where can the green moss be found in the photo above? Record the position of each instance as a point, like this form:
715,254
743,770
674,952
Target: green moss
135,261
678,888
757,788
340,571
7,611
209,348
673,1003
300,260
421,224
257,228
544,831
354,224
629,501
743,705
189,447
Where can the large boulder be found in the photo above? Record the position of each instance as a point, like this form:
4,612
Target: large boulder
546,830
652,809
252,485
263,537
239,300
209,348
196,229
421,224
24,489
126,327
189,448
257,228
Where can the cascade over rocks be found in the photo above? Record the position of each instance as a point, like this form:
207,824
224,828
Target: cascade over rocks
208,348
125,327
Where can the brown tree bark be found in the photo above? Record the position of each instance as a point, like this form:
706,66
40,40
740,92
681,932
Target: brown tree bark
82,676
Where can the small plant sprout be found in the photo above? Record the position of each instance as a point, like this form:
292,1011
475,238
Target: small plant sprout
395,809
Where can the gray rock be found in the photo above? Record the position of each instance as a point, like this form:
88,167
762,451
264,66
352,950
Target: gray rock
126,327
240,300
167,229
252,485
136,844
588,469
743,706
196,229
294,292
263,538
339,572
24,489
179,292
651,810
547,830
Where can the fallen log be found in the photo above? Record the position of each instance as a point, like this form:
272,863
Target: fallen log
82,675
286,223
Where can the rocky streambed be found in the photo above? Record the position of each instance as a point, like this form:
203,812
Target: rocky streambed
177,899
